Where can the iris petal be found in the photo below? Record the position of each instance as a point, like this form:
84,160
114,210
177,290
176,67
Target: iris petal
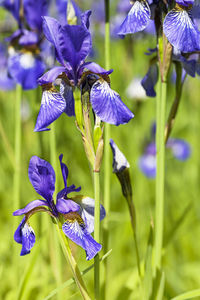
29,207
67,93
119,160
137,18
65,206
180,149
150,80
181,32
107,104
52,106
147,164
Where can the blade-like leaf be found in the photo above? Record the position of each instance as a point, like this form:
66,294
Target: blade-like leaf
188,295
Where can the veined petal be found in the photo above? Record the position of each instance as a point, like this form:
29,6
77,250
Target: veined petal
25,235
119,160
75,230
137,18
181,32
42,176
30,206
180,149
147,164
107,104
67,93
51,75
52,106
65,206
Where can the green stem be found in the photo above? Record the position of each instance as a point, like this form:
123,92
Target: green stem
18,134
160,166
107,164
97,234
69,257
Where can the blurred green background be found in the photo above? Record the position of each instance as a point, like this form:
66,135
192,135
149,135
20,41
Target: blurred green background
34,276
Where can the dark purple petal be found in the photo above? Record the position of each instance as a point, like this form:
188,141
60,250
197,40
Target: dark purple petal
137,18
51,75
30,206
67,93
185,2
107,104
33,11
149,81
79,235
147,164
25,235
180,149
75,44
52,31
25,69
181,31
42,176
85,18
119,160
65,206
52,106
87,212
64,170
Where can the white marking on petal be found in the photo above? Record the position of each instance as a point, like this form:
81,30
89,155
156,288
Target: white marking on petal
27,60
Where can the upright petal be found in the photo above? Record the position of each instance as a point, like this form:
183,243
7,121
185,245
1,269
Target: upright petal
52,106
137,18
42,176
181,32
119,160
107,104
74,229
34,10
64,170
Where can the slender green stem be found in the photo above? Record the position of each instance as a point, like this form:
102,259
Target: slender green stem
97,234
107,164
17,147
69,257
160,166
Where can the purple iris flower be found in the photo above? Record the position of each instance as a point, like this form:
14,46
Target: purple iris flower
63,8
6,82
180,29
72,46
77,212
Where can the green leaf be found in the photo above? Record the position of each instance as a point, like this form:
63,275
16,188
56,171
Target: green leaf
188,295
147,282
158,286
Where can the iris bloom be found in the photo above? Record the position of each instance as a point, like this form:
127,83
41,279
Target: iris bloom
72,46
77,212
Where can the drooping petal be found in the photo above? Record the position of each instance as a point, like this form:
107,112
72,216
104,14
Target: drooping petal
137,18
25,68
75,230
30,206
52,106
25,235
181,32
107,104
67,93
42,176
87,205
119,160
149,81
147,164
180,149
51,75
65,206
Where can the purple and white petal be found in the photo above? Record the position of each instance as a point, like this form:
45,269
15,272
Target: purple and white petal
79,235
30,206
65,206
25,235
42,176
67,93
181,32
119,160
137,18
147,164
107,104
52,106
180,149
51,75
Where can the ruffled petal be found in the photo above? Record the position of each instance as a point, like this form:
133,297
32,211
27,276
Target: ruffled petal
74,229
30,206
65,206
137,18
181,32
42,176
25,235
52,106
25,69
119,160
107,104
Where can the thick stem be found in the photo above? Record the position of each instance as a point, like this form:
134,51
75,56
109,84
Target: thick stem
107,164
69,257
160,166
97,234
